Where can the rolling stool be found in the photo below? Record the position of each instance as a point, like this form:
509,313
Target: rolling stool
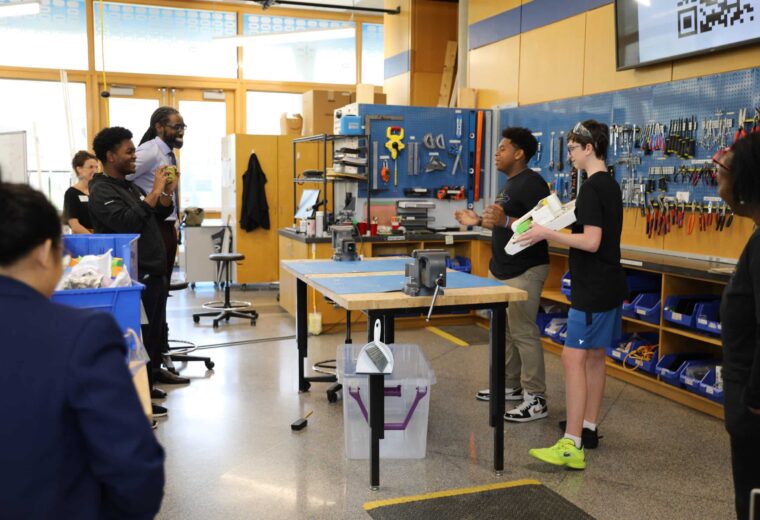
224,310
180,353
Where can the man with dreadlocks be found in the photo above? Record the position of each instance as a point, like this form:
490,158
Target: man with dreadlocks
156,151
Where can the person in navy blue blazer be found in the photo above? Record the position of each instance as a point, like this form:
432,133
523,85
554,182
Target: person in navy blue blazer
74,441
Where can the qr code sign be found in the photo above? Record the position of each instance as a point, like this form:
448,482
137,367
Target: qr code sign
701,16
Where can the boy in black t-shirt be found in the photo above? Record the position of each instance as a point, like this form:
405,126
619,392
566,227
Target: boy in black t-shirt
527,270
598,289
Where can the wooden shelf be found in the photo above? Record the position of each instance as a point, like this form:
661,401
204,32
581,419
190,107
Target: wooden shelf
640,322
651,384
693,335
555,295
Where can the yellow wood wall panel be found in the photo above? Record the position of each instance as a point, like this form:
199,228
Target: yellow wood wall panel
397,28
726,244
433,25
398,89
479,10
551,61
425,88
494,71
725,61
599,74
260,265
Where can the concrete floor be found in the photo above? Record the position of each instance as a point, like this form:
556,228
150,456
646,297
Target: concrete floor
231,453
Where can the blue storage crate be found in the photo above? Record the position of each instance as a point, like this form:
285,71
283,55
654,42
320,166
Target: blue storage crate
565,285
709,389
672,303
544,318
629,307
561,323
670,367
642,365
122,302
123,246
459,263
647,307
708,319
620,347
691,382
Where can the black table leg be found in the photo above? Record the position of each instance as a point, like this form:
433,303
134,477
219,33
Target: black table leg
496,403
302,334
377,426
348,327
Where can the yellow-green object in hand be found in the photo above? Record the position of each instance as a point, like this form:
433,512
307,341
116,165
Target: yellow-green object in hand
523,226
171,173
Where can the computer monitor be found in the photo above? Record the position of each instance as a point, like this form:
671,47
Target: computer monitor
305,207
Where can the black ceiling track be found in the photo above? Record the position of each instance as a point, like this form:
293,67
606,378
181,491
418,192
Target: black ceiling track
266,4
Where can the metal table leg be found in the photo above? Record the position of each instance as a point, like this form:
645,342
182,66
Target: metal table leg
301,334
496,403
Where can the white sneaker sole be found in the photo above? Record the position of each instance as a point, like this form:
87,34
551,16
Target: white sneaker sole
543,415
487,397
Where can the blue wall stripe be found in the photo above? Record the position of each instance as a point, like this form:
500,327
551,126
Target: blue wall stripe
398,64
529,16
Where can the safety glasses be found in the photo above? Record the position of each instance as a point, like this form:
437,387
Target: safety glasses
718,158
581,130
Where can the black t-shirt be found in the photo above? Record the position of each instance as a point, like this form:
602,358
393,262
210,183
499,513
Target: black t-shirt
598,281
76,205
740,323
521,194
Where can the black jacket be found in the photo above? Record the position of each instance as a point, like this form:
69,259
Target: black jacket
254,212
117,206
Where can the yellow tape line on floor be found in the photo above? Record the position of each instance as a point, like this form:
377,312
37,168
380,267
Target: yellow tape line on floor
449,493
446,335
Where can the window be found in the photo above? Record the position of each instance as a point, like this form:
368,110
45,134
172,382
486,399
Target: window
27,41
298,49
373,54
162,40
38,107
200,160
265,108
131,113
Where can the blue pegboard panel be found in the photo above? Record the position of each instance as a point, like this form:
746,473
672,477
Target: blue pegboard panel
703,98
416,122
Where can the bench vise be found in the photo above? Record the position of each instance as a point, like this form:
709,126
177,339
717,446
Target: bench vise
344,244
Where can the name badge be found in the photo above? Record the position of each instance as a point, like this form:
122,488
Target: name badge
84,198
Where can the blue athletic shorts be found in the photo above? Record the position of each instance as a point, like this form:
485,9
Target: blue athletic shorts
603,329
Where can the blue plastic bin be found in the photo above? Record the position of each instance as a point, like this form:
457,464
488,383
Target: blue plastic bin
554,335
544,318
680,318
459,263
122,302
708,389
123,246
692,383
708,319
619,347
647,307
565,285
670,367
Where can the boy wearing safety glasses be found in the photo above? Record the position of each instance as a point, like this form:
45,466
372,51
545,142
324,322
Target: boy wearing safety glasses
597,292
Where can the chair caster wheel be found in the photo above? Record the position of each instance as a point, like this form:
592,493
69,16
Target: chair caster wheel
209,364
196,319
253,322
192,286
335,393
227,319
216,324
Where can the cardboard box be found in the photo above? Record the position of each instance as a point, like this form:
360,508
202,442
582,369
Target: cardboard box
291,124
377,98
318,108
467,98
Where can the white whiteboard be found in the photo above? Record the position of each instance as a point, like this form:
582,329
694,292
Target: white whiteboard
13,157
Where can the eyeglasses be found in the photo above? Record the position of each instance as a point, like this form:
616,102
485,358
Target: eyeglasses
572,147
176,127
718,158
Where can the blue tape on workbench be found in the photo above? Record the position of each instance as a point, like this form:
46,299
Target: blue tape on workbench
333,267
395,282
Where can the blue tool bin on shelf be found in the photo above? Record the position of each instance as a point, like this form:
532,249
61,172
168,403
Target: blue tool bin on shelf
709,389
459,263
708,317
647,307
688,319
565,285
620,347
122,302
123,246
691,381
544,318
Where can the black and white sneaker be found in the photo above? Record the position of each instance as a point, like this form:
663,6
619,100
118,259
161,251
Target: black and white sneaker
510,394
159,411
532,408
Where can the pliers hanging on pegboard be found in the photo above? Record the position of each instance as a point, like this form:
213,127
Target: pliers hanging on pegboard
692,219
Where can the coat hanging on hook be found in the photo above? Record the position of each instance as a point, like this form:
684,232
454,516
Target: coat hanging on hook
254,212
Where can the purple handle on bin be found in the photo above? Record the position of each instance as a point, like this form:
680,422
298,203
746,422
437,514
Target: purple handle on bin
393,392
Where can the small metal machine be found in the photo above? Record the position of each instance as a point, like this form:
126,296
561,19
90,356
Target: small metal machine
344,244
426,275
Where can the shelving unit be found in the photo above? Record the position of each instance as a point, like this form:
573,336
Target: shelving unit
672,338
324,139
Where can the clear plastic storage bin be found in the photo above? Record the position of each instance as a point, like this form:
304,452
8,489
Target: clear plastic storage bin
407,403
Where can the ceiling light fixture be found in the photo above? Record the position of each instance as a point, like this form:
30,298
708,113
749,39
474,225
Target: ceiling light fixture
275,38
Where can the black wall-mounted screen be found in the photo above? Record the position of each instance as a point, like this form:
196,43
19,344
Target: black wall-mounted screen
652,31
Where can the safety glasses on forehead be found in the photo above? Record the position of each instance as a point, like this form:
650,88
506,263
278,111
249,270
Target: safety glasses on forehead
581,130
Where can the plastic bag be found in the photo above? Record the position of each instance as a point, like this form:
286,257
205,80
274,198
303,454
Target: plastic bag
137,356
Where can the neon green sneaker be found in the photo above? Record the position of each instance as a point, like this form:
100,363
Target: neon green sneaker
563,453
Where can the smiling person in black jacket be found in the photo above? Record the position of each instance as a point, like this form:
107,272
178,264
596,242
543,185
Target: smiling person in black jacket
119,206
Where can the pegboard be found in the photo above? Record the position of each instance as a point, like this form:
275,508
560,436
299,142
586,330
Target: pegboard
719,96
454,125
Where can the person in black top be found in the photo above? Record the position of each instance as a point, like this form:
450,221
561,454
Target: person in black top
739,186
598,290
119,206
527,270
75,201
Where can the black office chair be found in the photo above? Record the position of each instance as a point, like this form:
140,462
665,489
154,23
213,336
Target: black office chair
224,310
183,348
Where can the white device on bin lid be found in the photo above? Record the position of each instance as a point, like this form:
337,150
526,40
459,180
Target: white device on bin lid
375,357
549,212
